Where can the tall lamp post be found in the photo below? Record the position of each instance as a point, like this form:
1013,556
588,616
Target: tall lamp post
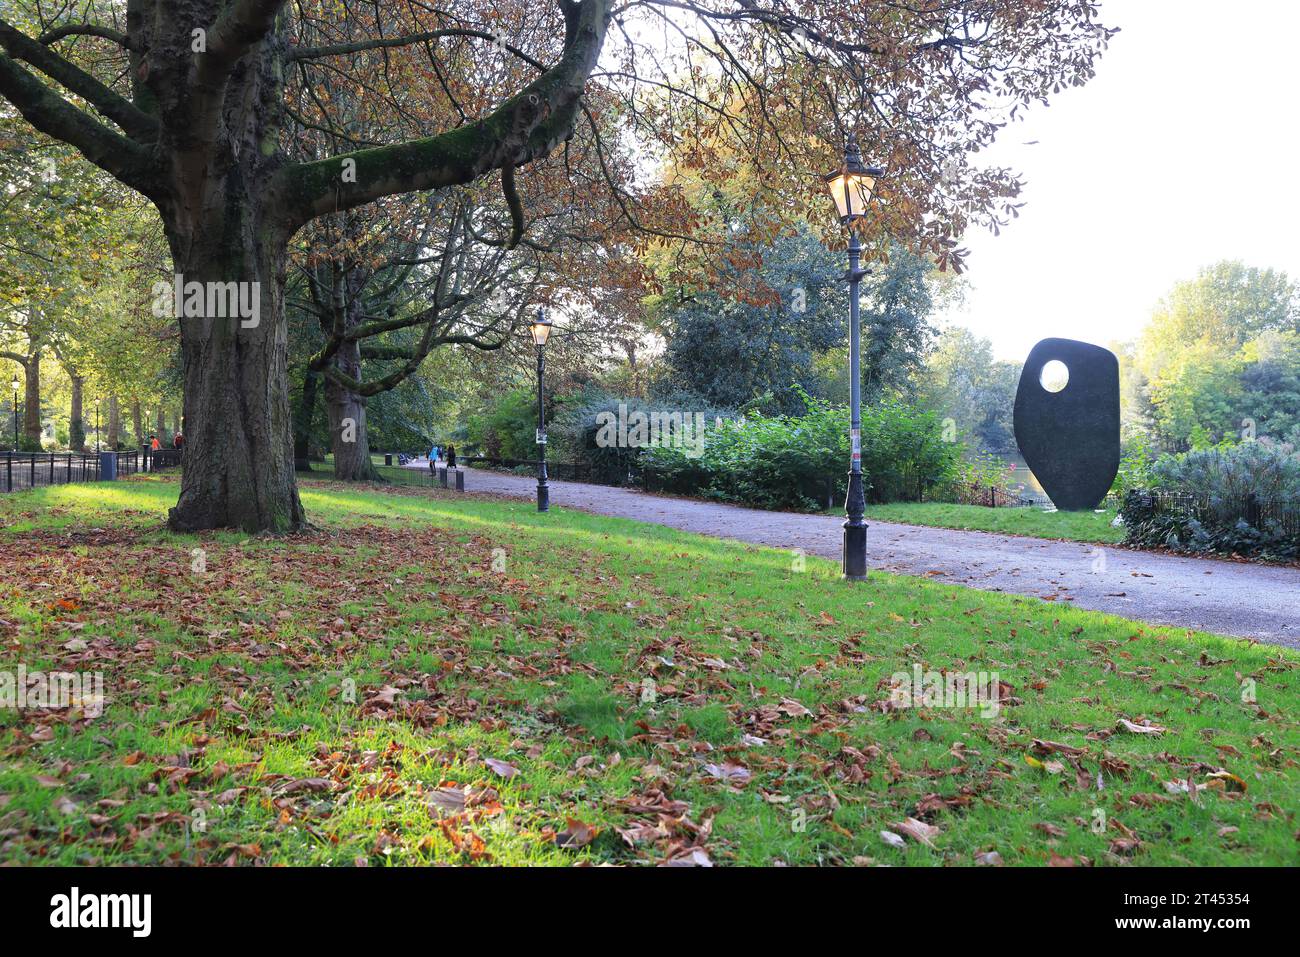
541,330
851,187
14,385
96,424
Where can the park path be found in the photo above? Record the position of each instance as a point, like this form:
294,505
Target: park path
1228,598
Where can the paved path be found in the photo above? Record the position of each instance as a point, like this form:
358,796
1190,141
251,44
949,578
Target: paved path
1228,598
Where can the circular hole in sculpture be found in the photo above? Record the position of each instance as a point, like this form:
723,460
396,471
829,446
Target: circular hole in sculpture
1055,375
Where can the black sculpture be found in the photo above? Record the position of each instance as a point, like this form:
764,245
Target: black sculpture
1070,438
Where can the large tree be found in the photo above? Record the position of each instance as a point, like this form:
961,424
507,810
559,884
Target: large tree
187,105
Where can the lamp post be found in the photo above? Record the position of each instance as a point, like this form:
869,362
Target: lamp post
851,187
96,424
13,383
541,330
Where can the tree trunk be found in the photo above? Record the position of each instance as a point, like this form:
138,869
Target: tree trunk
32,400
114,423
76,427
302,422
161,431
347,418
238,458
137,424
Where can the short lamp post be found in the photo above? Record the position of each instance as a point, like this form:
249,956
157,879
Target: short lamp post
541,331
851,186
13,383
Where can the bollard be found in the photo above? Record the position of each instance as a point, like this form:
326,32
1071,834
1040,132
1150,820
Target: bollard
460,481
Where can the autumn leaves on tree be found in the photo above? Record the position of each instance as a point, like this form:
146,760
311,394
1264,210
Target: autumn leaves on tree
242,121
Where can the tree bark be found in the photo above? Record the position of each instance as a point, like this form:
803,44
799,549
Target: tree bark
347,418
238,458
32,399
137,423
76,425
302,422
114,423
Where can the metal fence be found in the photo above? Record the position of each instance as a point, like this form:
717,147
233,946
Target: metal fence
24,470
1228,509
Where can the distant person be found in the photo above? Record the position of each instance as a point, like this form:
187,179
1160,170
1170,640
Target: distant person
154,444
451,456
178,442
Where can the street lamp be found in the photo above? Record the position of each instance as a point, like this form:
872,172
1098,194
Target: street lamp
96,425
13,384
851,186
541,330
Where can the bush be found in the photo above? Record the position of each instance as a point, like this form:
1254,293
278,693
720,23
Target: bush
1222,486
1146,525
801,462
1270,471
1136,466
575,431
509,429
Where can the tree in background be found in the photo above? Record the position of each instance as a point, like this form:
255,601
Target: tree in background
1218,357
963,381
759,343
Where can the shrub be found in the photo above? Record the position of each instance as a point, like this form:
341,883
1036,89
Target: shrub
801,461
1227,502
1270,471
576,429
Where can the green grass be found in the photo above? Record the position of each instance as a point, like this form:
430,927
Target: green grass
618,673
1028,520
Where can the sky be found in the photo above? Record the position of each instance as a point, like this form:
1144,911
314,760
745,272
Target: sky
1183,150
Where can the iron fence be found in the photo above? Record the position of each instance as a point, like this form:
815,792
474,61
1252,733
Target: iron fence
1228,509
25,470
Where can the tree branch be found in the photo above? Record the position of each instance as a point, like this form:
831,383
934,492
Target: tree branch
125,159
87,30
525,127
137,124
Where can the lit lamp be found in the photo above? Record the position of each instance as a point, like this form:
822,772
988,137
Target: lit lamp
851,187
541,331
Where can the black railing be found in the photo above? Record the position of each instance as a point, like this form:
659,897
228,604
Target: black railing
23,470
566,471
1227,509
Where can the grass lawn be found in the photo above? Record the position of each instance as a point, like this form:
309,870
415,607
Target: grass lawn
434,679
1029,520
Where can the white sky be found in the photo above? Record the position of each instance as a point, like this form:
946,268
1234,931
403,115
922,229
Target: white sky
1184,150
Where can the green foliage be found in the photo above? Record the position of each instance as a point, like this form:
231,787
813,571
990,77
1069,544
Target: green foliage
1136,465
1203,531
801,461
791,306
1232,491
1221,358
575,432
963,381
508,429
1268,470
